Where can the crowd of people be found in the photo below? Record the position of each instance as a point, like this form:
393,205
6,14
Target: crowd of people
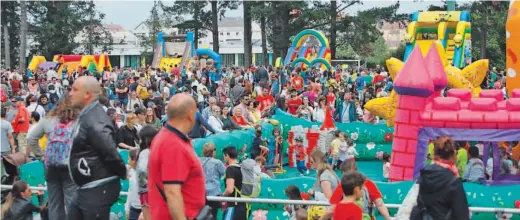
76,121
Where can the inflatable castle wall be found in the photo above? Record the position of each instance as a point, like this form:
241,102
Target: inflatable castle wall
313,138
422,114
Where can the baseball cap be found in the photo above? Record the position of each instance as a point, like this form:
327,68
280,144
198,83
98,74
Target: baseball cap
140,111
19,98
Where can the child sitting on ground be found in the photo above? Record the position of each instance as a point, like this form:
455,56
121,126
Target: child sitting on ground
352,185
474,170
293,193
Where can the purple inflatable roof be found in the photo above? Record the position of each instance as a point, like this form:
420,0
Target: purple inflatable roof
48,65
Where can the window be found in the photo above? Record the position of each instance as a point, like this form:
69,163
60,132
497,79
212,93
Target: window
200,42
228,33
221,33
237,33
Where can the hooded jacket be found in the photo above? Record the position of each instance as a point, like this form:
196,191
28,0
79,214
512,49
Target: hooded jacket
442,192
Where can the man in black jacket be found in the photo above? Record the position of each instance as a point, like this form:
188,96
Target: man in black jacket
94,163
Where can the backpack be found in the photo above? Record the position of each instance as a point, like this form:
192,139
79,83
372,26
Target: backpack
54,98
59,143
250,180
366,205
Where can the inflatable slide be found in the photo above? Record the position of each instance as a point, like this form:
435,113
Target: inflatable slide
452,29
304,54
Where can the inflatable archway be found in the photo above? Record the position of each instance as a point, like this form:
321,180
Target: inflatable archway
302,36
312,63
207,53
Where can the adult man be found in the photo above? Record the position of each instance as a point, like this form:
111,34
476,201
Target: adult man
35,107
244,104
346,111
6,134
176,180
266,100
206,112
202,92
94,163
235,211
51,73
237,91
20,125
122,91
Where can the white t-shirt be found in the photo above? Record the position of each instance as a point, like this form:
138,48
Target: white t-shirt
200,88
38,108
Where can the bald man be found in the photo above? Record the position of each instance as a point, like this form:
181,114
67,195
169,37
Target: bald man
94,163
176,188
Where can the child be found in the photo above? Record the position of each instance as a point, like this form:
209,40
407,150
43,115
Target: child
386,165
300,156
474,170
293,193
351,149
352,184
260,169
274,144
334,149
343,148
258,148
133,204
18,204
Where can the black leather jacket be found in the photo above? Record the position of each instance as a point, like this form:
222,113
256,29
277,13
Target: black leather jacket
94,154
21,209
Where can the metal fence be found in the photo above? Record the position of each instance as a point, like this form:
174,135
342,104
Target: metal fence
302,202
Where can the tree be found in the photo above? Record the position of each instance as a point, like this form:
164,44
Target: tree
96,35
488,21
55,25
380,52
23,36
192,16
10,23
248,48
260,11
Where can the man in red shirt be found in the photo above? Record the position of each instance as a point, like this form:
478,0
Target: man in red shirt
15,85
352,186
297,82
294,103
21,125
266,100
176,184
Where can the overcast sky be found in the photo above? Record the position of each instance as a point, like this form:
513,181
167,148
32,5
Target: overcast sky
130,13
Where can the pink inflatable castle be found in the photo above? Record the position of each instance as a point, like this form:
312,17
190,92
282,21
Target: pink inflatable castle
422,114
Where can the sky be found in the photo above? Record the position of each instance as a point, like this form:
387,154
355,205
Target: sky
131,13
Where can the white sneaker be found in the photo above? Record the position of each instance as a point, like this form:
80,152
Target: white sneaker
307,172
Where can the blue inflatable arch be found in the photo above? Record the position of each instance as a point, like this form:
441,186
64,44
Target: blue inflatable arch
202,52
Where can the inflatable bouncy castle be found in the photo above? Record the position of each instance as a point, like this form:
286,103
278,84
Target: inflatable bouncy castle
422,114
513,47
305,53
72,62
170,52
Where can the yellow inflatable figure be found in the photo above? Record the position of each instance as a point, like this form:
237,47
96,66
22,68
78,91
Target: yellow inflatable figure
468,78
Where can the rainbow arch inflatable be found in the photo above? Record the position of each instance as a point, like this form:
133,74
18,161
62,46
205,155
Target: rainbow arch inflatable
300,55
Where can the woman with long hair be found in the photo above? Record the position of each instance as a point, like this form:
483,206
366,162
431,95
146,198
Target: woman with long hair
57,125
305,110
319,112
127,135
227,122
214,170
146,135
151,118
326,179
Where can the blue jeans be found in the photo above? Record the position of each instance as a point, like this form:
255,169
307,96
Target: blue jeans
134,214
60,189
300,164
271,156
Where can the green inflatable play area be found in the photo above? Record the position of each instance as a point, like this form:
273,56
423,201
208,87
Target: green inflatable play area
370,139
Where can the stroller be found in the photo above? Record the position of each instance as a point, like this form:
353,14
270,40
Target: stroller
11,163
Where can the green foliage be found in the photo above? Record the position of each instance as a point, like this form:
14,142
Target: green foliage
380,52
96,35
155,22
345,51
488,21
55,24
399,52
11,19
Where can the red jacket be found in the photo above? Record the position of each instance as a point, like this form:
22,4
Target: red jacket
21,127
